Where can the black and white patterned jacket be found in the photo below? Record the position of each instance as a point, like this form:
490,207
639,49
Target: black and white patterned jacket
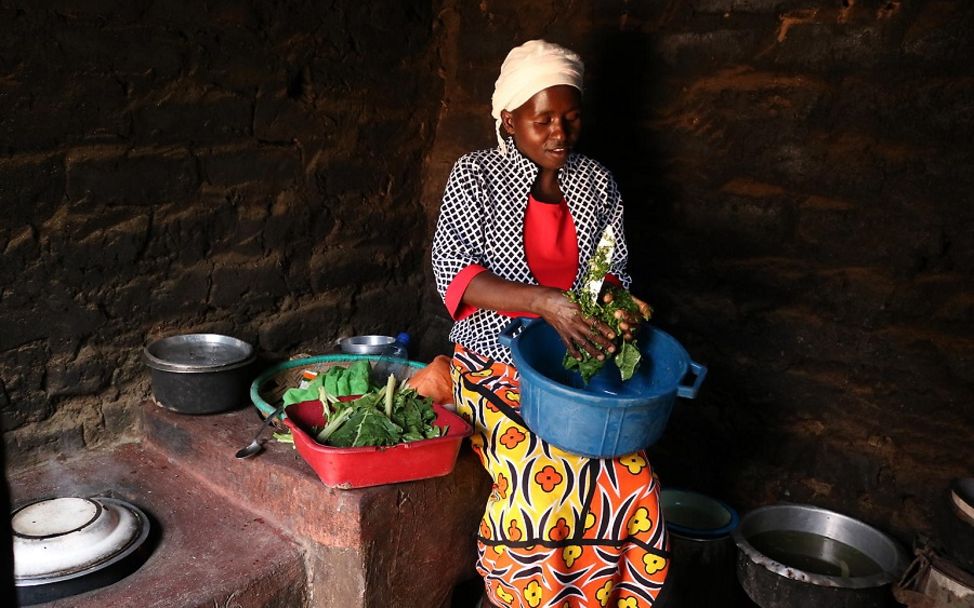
482,222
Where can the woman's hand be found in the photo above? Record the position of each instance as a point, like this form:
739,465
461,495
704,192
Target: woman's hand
573,327
629,322
551,304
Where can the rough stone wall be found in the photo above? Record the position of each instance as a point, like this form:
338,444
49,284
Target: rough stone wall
797,173
798,178
243,168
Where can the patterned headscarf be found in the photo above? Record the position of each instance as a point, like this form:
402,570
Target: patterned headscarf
529,68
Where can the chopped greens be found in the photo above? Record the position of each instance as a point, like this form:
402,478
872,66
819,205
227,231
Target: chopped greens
284,438
379,417
598,266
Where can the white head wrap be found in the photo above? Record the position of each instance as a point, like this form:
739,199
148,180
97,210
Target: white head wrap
528,69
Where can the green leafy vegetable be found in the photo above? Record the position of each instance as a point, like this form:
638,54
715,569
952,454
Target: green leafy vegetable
335,421
627,353
331,379
381,417
588,366
364,426
627,359
337,381
359,374
344,388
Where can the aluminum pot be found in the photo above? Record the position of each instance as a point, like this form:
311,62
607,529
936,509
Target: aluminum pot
66,546
200,373
800,555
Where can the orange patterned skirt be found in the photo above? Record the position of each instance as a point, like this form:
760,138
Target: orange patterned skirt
559,530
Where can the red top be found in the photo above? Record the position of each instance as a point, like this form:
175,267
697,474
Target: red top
551,243
551,248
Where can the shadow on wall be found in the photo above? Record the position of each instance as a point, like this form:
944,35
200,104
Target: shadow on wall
624,82
623,98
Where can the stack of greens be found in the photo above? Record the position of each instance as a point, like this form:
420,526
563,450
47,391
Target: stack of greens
337,381
386,416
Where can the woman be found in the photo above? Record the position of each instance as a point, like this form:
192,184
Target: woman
517,227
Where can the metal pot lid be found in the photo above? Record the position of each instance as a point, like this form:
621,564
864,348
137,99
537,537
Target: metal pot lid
61,538
198,353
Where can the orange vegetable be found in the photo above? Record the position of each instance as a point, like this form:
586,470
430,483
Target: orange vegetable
434,380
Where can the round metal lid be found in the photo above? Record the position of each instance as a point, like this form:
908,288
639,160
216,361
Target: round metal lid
197,353
62,538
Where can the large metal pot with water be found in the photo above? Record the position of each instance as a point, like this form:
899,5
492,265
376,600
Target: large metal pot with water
790,556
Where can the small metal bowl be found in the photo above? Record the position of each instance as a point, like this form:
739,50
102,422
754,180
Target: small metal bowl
200,373
371,345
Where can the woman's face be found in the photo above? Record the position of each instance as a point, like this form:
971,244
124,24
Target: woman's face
546,127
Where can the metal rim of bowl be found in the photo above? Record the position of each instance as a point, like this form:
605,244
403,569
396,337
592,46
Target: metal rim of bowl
372,344
790,572
154,362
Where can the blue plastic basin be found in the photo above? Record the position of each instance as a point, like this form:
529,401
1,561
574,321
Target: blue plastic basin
697,516
607,417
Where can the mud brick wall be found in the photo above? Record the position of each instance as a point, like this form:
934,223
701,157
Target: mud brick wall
242,168
798,178
797,174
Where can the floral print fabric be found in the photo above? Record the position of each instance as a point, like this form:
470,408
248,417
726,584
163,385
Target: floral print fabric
559,530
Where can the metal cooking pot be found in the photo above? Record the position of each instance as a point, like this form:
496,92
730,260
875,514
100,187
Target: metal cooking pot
200,373
800,555
66,546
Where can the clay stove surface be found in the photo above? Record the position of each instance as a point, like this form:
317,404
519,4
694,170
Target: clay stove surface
396,546
207,552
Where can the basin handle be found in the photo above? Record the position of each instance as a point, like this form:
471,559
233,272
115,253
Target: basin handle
513,328
690,392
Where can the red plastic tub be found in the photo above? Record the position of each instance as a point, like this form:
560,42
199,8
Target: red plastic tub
346,468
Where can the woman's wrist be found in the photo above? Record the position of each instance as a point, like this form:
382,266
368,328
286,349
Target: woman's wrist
540,300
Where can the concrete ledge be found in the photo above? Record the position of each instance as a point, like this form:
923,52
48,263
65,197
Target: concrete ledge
396,545
209,552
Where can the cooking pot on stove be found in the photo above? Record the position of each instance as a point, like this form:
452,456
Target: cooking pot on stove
66,546
200,373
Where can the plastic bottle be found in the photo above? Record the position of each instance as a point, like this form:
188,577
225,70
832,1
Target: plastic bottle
402,345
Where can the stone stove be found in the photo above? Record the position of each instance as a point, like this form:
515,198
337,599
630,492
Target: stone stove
265,533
